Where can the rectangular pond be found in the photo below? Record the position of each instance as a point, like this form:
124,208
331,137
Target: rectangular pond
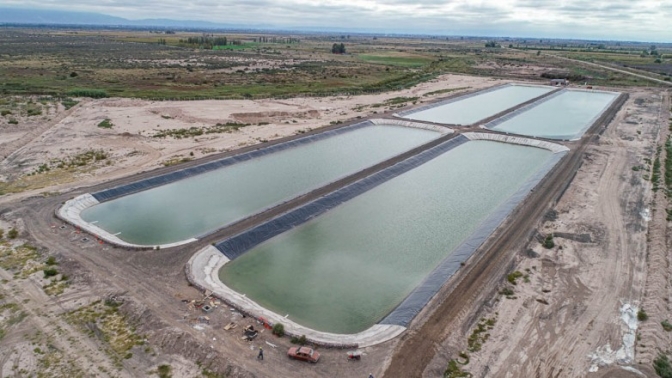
205,202
470,109
345,270
565,116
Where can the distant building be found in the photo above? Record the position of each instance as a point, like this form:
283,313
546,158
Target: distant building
559,82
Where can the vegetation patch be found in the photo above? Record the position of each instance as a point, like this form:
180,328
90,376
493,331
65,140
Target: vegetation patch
454,370
655,174
507,292
662,366
22,260
192,132
548,242
82,92
480,334
164,371
443,91
396,60
56,287
299,340
642,315
279,329
54,363
513,277
68,103
106,124
105,323
667,326
176,160
56,171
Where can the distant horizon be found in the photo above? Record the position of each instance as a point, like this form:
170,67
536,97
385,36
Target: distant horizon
626,21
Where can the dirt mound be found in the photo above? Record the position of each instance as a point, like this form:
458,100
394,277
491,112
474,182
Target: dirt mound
273,117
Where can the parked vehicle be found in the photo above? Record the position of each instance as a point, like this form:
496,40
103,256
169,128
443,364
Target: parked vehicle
303,354
249,333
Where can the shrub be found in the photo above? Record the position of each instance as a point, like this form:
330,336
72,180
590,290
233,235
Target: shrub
507,291
50,272
667,326
73,74
642,315
512,277
51,261
68,103
93,93
2,233
13,121
105,124
164,371
34,111
662,366
299,340
13,233
5,112
548,242
279,329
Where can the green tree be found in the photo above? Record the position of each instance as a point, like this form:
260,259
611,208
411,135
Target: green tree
338,48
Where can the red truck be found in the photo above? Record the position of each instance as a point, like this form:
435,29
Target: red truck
303,354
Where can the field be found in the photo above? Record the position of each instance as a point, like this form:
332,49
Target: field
163,66
82,110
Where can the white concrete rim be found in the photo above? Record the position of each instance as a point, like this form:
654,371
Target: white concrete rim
203,272
523,141
71,212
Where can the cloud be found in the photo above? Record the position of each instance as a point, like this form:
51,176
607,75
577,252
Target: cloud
588,19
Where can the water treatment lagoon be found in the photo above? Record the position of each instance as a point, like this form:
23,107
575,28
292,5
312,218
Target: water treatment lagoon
193,206
467,110
565,116
345,270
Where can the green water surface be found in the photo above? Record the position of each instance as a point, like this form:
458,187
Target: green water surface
564,117
345,270
473,109
194,206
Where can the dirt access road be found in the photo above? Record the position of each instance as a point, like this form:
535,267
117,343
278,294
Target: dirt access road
641,76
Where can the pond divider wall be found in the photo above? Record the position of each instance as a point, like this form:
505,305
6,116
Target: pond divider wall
237,245
403,314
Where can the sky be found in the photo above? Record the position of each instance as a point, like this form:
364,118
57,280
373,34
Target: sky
641,20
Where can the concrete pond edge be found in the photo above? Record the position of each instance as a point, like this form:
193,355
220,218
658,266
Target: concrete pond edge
202,271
